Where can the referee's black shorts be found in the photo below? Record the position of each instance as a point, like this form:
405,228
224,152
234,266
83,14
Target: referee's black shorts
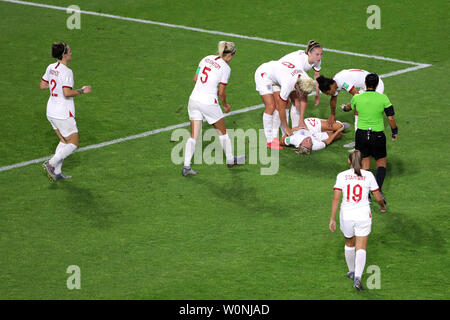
371,143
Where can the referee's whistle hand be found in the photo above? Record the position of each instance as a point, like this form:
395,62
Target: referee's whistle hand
394,137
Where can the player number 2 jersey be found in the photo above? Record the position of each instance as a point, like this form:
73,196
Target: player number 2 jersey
211,71
355,189
59,76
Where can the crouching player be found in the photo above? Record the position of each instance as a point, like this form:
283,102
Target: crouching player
317,136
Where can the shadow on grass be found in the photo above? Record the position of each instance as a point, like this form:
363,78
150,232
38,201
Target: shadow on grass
243,194
84,203
413,233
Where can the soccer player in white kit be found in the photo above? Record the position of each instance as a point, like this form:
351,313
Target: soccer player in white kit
355,215
350,80
212,71
316,136
275,81
60,108
307,59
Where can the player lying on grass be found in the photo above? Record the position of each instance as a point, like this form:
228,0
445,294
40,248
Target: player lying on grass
212,72
275,81
316,136
350,80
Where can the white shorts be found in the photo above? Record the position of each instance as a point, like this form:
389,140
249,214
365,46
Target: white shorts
314,125
65,126
359,228
262,81
199,111
379,89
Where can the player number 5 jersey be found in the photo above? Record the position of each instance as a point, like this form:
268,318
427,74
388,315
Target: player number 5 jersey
59,76
211,71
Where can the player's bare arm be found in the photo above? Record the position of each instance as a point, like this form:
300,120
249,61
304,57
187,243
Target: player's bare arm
380,200
334,136
281,106
223,97
317,97
43,85
68,92
334,207
332,118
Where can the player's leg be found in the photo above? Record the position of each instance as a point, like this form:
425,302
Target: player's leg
349,251
380,154
360,260
326,127
196,126
225,142
67,131
224,139
348,230
269,108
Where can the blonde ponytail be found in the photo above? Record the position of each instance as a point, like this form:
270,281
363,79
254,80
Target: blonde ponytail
226,47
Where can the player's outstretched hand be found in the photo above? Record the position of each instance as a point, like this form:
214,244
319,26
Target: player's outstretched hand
332,225
394,137
87,89
227,108
288,131
331,120
316,100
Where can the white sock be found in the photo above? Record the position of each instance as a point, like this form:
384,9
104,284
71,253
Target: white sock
360,262
276,121
58,166
350,258
295,116
189,152
227,147
268,124
63,152
356,122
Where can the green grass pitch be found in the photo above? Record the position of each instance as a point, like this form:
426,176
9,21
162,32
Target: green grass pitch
139,230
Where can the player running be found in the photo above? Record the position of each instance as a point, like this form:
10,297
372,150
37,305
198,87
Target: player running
212,71
350,80
61,108
317,135
275,81
307,59
355,216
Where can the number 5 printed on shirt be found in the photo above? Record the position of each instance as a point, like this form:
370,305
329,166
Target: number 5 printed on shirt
205,72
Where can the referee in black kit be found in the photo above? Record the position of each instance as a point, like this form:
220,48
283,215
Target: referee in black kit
370,138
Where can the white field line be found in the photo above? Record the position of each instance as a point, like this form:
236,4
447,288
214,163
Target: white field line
168,25
417,66
133,137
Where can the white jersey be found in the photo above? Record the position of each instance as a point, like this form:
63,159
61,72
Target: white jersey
283,75
350,78
317,139
59,76
300,60
355,193
211,71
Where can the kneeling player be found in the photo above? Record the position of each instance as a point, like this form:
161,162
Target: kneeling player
317,136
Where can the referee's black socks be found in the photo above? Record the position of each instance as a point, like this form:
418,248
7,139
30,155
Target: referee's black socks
380,175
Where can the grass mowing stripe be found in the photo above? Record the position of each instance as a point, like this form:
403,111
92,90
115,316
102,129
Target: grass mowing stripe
216,32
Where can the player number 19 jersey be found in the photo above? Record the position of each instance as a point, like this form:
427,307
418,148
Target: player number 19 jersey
355,189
